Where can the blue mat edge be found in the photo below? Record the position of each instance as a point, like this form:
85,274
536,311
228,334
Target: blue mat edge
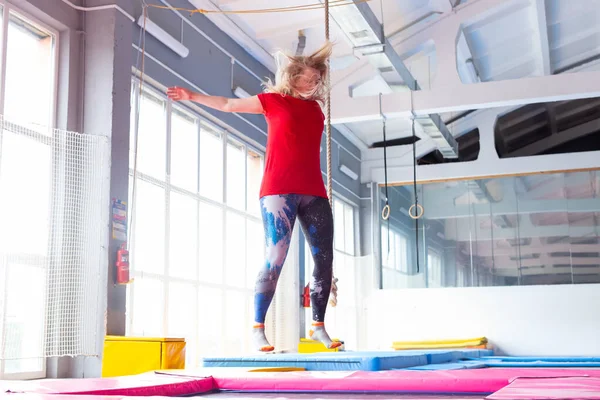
346,361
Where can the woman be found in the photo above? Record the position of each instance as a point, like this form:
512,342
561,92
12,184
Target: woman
292,184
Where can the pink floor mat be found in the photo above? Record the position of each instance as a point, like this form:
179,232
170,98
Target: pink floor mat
178,383
238,396
483,381
149,384
550,388
42,396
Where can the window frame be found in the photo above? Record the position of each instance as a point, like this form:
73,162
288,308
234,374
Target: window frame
436,269
345,205
224,209
399,266
7,8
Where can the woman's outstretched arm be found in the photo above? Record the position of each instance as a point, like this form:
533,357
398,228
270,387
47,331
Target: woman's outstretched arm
249,105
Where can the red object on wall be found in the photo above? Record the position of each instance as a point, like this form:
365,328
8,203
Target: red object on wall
306,297
122,265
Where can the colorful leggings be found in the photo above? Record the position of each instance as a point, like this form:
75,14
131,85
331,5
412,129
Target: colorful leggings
279,214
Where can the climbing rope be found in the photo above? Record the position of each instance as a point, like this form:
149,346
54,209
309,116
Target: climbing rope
333,298
328,111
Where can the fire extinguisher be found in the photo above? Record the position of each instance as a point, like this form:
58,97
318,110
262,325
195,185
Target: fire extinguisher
123,265
306,297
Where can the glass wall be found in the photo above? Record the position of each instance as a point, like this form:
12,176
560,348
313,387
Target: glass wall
526,230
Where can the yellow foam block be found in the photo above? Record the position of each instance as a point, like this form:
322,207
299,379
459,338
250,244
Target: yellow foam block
313,346
126,355
173,355
439,344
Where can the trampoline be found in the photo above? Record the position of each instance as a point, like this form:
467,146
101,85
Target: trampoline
264,378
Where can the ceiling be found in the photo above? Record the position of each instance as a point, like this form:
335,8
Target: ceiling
523,38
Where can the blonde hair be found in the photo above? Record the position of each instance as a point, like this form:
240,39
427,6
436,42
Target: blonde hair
288,74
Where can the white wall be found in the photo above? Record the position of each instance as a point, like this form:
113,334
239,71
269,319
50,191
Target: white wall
560,320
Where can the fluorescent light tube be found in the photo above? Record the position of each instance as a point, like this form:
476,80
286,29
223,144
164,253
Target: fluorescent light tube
353,175
241,93
162,35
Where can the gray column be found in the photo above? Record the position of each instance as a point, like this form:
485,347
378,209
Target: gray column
105,109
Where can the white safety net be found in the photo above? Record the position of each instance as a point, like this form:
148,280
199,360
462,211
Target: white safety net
54,190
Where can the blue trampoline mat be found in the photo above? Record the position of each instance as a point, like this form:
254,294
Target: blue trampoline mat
546,359
541,362
349,360
512,362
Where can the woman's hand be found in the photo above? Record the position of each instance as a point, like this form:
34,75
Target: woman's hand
249,105
177,93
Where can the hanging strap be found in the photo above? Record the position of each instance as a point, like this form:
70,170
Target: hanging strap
385,213
416,204
416,210
334,289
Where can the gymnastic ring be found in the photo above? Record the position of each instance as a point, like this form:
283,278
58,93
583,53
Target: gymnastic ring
419,207
385,213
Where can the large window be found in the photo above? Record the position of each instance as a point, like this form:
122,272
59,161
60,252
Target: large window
197,239
511,231
27,103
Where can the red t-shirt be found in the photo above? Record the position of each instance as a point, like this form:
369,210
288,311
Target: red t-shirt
293,159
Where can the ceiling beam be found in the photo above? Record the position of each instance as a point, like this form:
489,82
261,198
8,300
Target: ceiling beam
454,98
541,33
401,173
523,91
